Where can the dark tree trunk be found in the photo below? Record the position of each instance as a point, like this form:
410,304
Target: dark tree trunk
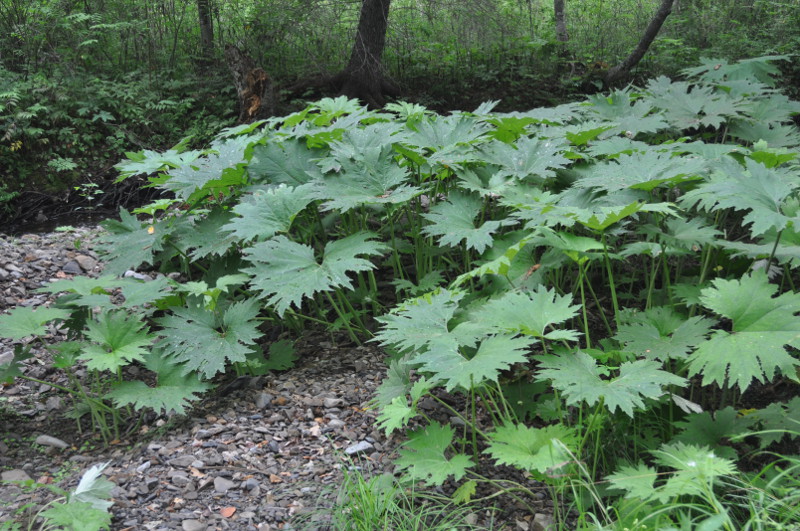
561,21
253,86
363,76
623,69
206,32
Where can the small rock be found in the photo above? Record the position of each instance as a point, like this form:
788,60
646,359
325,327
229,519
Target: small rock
193,525
250,483
542,522
87,263
182,461
72,268
180,480
359,448
133,274
335,424
144,466
263,400
332,402
15,475
223,485
46,440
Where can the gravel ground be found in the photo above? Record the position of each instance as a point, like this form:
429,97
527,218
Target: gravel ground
252,455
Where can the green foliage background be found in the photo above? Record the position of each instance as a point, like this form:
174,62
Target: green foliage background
79,83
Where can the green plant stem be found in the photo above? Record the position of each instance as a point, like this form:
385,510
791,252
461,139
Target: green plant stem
600,308
610,273
583,306
344,319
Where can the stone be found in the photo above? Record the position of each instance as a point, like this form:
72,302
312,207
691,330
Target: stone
543,522
332,402
72,268
15,475
223,485
46,440
181,461
359,448
87,263
193,525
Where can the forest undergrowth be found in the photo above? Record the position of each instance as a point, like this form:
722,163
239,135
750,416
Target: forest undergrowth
608,285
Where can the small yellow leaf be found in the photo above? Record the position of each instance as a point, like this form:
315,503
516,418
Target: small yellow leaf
151,229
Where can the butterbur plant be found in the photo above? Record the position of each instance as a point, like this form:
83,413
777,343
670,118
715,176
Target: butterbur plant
577,287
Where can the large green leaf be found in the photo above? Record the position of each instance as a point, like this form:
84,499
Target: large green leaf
496,353
532,313
217,170
528,158
543,450
762,327
119,339
265,213
453,221
174,389
25,321
285,272
579,378
130,243
420,323
761,191
642,171
204,341
423,456
290,163
661,334
374,178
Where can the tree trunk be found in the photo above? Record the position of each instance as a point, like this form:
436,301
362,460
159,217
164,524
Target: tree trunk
623,69
561,21
253,86
206,32
363,76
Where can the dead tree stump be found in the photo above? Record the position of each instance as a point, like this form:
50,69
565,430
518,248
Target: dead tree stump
256,99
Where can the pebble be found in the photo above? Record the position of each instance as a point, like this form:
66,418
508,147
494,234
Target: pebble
46,440
72,268
15,475
223,485
359,448
193,525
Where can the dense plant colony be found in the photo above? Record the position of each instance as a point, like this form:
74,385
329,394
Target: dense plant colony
595,289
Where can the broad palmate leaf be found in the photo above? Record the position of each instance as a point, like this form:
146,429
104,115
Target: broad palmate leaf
454,221
760,190
495,354
642,171
543,450
374,178
25,321
174,390
131,242
204,341
661,334
286,271
420,323
532,313
694,470
762,326
119,338
579,378
423,456
265,213
528,157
